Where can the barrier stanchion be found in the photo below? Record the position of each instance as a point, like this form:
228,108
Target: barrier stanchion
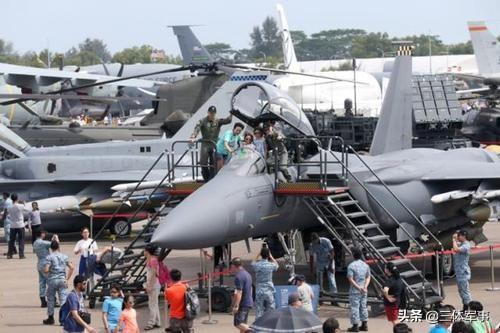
492,266
210,320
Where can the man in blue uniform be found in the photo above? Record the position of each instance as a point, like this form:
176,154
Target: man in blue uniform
358,274
322,249
461,247
57,279
41,247
264,287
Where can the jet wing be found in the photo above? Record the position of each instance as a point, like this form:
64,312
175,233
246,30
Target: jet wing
31,77
464,171
121,176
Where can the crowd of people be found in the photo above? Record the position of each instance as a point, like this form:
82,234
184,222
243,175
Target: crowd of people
268,141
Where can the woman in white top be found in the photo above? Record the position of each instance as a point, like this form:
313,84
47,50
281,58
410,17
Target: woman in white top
34,221
85,247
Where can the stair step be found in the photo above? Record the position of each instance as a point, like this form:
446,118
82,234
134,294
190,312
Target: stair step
367,226
433,300
356,214
398,262
417,287
389,249
378,238
409,274
347,203
338,196
130,256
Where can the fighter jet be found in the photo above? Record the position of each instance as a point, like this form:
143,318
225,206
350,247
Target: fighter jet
444,190
83,175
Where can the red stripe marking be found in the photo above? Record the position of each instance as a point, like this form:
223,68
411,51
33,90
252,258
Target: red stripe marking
478,28
107,216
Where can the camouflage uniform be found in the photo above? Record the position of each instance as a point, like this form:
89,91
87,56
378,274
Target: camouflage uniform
264,287
41,248
209,131
359,271
274,141
462,271
57,263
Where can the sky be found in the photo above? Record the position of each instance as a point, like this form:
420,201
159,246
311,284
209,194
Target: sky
61,24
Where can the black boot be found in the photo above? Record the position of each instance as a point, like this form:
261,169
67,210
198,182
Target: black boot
364,326
44,302
354,328
49,320
465,308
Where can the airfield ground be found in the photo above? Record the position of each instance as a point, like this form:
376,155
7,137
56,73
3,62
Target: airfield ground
20,311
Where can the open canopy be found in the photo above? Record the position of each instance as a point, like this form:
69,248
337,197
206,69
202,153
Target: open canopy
257,102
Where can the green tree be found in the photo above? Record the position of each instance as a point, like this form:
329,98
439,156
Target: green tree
217,50
266,40
97,47
461,48
133,55
372,45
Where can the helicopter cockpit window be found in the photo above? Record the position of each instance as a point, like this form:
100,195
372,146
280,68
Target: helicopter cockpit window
245,162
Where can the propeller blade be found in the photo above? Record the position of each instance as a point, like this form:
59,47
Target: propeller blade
100,83
290,72
120,71
104,99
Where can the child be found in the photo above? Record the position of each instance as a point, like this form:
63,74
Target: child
305,292
112,308
128,318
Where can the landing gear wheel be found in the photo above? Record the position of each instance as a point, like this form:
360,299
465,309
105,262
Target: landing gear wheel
121,228
221,299
446,265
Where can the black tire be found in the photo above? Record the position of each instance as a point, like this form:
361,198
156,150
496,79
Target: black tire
221,299
445,264
121,228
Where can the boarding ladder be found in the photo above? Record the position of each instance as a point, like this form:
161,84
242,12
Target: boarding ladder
129,270
343,217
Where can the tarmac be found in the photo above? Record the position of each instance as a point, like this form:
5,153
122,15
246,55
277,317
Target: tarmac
20,307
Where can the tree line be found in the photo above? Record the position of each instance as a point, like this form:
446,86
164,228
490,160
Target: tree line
265,47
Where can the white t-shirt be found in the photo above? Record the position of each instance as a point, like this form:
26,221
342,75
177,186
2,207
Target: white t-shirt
83,247
305,291
15,215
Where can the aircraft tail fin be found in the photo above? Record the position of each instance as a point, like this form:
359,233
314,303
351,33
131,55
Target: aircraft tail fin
394,126
289,58
486,48
11,144
192,50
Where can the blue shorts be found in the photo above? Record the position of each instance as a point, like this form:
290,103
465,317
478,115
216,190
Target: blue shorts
241,317
221,157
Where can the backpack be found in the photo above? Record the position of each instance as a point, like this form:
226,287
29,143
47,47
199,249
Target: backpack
163,274
192,304
63,313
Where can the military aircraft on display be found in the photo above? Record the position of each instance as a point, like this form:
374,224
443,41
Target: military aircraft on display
320,94
312,91
433,192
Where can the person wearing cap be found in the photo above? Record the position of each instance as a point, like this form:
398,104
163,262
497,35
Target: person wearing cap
294,301
277,150
41,247
461,248
209,127
242,299
305,292
264,266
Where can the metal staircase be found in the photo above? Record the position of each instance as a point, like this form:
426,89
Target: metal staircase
129,270
341,214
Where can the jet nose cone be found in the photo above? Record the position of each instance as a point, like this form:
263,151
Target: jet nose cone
197,222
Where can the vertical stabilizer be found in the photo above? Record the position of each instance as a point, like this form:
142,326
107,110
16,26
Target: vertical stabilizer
289,58
486,48
394,127
191,49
